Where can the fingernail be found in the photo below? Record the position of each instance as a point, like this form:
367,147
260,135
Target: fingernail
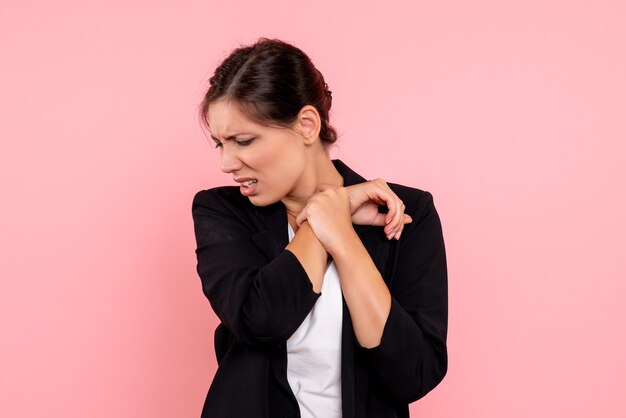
398,235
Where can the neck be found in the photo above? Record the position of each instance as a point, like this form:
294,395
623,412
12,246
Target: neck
319,170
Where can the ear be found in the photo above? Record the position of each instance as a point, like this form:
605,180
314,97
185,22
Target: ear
309,124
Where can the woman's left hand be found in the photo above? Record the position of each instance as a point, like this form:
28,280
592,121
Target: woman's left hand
328,214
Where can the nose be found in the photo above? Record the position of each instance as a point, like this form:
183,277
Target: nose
229,160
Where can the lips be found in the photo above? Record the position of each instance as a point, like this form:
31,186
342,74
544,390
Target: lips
248,185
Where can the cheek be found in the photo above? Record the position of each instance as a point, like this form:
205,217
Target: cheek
291,168
280,165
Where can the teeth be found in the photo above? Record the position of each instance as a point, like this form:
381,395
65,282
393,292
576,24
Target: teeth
249,183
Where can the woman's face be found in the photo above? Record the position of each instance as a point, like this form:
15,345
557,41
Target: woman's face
267,162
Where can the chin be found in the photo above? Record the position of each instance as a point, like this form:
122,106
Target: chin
260,201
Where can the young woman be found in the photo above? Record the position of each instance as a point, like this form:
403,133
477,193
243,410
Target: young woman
331,290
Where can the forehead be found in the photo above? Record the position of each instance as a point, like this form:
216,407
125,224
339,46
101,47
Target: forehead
224,117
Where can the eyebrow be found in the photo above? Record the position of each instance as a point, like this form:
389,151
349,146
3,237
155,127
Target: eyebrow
233,136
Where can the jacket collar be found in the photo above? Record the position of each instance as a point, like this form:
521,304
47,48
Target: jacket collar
350,177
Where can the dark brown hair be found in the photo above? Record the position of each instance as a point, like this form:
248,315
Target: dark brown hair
270,81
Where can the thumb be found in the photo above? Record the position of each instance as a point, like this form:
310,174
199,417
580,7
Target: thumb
301,218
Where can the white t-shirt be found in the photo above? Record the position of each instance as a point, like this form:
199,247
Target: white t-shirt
314,352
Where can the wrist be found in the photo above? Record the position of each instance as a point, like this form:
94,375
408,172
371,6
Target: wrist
313,243
344,247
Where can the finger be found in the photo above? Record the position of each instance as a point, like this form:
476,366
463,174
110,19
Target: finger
406,219
302,216
392,228
388,222
399,219
391,214
379,220
390,200
395,208
395,217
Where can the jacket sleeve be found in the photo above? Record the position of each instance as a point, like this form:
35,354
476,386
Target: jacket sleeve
411,358
260,301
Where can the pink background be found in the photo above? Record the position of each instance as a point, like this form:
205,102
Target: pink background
512,113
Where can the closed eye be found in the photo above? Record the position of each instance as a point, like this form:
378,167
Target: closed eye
219,144
245,143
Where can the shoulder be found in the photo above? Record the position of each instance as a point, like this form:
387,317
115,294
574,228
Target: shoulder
223,205
223,200
225,208
418,202
222,214
222,195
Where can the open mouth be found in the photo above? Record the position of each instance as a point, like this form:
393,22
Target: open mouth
248,183
248,187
